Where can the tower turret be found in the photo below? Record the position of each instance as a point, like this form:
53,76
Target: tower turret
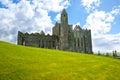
64,30
64,17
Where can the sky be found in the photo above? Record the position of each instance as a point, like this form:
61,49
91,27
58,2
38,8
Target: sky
101,16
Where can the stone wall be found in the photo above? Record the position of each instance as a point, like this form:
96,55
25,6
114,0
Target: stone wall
38,40
63,37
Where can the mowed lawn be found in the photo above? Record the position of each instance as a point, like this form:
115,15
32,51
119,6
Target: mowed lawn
28,63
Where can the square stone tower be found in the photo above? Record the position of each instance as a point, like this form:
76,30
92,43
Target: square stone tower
64,31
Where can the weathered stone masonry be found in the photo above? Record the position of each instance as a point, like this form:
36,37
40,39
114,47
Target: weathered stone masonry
63,37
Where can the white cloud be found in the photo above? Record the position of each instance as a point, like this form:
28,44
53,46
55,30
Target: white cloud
100,22
115,10
57,18
106,42
52,5
90,4
78,23
27,17
5,2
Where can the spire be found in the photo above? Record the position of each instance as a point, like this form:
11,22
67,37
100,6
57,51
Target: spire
64,17
64,11
42,33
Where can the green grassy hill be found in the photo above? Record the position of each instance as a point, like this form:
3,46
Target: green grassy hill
26,63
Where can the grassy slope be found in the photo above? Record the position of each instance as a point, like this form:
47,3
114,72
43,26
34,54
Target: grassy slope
26,63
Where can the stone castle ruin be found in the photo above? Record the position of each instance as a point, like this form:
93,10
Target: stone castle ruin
63,37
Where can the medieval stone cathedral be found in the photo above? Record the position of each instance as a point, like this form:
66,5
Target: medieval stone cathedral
63,37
